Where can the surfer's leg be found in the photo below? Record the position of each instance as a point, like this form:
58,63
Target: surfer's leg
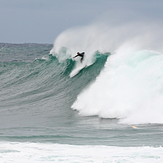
81,59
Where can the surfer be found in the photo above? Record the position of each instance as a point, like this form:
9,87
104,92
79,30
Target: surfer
80,55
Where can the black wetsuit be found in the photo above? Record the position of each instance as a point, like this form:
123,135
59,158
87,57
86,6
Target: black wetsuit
80,55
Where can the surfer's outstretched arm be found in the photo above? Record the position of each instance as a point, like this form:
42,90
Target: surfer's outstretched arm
75,56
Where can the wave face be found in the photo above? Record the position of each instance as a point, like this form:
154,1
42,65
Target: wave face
24,82
35,86
129,87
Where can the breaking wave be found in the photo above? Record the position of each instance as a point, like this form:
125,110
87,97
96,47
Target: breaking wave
130,87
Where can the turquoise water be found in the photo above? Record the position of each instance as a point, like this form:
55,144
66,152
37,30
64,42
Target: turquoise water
43,108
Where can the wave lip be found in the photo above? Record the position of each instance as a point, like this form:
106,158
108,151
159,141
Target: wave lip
64,53
130,88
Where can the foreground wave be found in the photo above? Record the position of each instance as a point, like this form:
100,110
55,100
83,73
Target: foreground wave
46,152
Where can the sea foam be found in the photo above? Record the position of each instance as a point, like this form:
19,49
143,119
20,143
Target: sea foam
47,152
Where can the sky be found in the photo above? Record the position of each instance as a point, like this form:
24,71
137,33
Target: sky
41,21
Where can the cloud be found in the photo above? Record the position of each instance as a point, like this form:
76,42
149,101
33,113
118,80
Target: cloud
42,20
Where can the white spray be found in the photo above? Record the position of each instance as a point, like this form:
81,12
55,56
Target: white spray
130,87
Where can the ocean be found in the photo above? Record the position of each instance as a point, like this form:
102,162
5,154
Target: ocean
107,109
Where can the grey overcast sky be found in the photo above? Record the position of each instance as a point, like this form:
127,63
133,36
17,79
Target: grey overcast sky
41,21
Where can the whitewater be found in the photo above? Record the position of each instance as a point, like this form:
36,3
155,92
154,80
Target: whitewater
37,153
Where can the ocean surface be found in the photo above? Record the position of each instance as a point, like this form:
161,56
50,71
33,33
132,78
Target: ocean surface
107,109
